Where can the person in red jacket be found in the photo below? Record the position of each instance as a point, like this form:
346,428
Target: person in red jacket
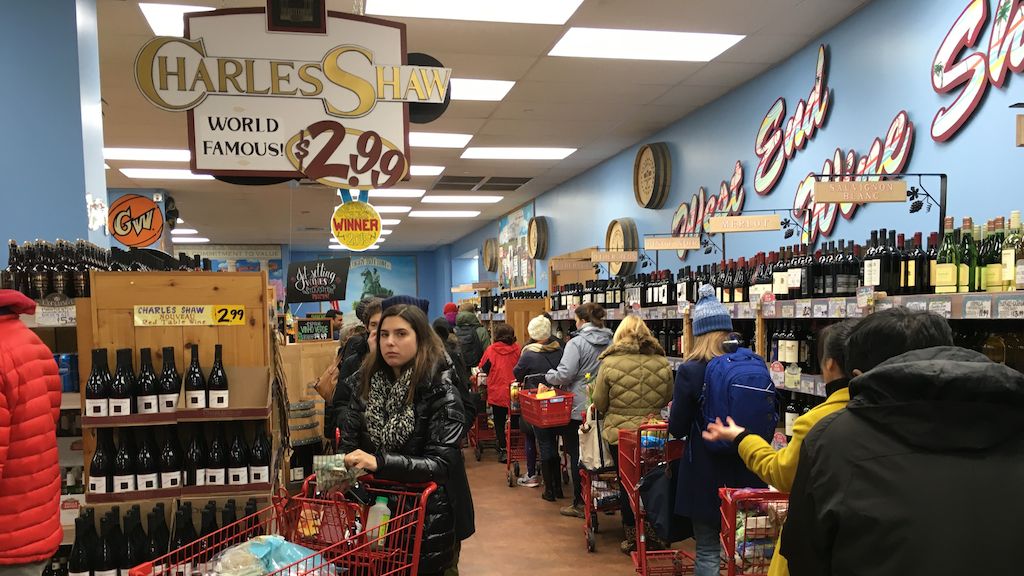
29,473
498,361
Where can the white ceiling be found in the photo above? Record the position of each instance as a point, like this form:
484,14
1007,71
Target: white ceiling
597,106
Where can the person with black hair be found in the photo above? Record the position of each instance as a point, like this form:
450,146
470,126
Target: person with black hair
918,474
497,362
337,320
451,346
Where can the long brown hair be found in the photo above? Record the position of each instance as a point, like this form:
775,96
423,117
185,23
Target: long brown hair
429,352
592,313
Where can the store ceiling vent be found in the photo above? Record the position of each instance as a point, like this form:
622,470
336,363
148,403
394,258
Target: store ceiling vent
479,183
458,182
311,229
502,184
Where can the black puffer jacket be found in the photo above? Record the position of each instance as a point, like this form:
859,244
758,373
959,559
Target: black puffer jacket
348,380
918,474
432,454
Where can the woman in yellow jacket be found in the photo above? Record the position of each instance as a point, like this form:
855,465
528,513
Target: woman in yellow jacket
778,468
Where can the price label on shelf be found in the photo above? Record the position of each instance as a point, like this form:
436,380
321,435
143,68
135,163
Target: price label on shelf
853,310
1011,308
190,315
837,308
884,305
670,313
788,311
916,305
743,310
820,310
682,307
865,296
943,307
768,309
56,315
977,308
804,309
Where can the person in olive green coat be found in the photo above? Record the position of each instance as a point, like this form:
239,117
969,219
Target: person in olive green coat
633,382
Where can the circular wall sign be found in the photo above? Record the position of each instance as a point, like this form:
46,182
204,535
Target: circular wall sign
490,251
621,235
537,237
356,225
135,221
652,175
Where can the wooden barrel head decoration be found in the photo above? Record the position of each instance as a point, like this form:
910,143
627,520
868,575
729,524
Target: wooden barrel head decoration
490,251
537,237
622,235
652,175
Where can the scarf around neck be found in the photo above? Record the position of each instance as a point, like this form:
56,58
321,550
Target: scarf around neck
389,418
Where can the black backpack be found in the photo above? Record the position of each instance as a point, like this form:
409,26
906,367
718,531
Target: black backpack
469,345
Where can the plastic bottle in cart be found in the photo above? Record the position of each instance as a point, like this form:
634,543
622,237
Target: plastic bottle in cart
513,394
377,522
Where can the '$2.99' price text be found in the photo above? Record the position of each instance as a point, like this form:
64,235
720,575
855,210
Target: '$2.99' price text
371,161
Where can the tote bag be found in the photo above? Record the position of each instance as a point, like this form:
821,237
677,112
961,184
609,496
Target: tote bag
595,454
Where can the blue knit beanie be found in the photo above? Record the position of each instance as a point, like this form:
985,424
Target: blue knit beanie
708,314
410,300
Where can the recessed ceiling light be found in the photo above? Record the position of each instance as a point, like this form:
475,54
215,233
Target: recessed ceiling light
164,174
439,139
483,90
189,240
180,221
147,154
497,153
374,247
397,193
444,213
462,199
168,19
392,209
390,222
425,170
385,232
643,44
520,11
335,246
185,231
381,239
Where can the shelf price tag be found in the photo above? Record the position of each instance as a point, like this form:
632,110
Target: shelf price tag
837,308
768,309
853,310
788,311
977,308
190,315
943,307
820,310
865,296
916,305
803,309
743,310
1011,308
884,305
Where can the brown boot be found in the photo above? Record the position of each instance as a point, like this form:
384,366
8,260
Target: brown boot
654,542
628,546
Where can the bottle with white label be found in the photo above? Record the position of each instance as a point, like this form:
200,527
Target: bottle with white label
146,473
124,465
101,467
97,387
123,386
791,415
105,563
259,458
170,460
296,473
80,560
147,400
217,385
194,469
195,383
216,461
238,461
377,519
169,387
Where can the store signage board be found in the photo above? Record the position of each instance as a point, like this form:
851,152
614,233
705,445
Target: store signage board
758,223
313,329
671,243
317,280
614,256
189,315
327,106
861,191
565,265
135,221
979,308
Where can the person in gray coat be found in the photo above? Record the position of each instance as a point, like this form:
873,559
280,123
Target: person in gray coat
575,372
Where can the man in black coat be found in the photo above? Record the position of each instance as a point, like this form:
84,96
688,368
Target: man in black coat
919,474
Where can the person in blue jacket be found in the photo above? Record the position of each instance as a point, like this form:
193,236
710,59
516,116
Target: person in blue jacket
701,472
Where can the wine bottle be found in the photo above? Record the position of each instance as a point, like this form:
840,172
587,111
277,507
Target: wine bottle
124,466
216,461
195,460
218,382
170,460
791,416
146,474
195,383
228,517
147,399
138,534
106,557
97,387
947,261
1009,253
169,387
123,385
160,534
238,461
207,526
130,554
182,538
101,467
80,560
154,548
259,460
994,257
967,281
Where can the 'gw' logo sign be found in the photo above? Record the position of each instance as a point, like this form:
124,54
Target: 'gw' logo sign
135,221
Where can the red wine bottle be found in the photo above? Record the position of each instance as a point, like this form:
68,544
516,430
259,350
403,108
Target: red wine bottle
147,400
124,466
124,384
238,460
217,385
194,468
130,555
106,556
216,461
80,561
146,473
169,387
101,467
195,383
259,458
97,387
170,460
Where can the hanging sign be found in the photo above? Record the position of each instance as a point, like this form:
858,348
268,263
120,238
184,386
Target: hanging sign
313,329
758,223
355,223
190,315
291,103
861,191
614,256
562,265
135,221
671,243
317,281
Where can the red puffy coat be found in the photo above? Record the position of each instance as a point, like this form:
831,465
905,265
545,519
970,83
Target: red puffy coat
503,358
29,409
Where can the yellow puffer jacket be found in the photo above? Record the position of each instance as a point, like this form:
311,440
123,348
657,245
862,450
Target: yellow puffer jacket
778,468
634,381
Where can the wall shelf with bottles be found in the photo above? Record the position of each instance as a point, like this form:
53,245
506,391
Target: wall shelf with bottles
967,306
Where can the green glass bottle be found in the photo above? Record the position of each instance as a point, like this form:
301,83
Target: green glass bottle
967,280
947,261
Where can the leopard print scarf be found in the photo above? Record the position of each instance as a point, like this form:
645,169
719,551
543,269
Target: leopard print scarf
389,419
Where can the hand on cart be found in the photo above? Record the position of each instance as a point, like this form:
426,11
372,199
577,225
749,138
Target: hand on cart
360,459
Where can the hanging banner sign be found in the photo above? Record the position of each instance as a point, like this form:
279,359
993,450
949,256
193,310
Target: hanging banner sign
355,223
317,281
759,223
672,243
135,221
190,315
837,192
614,256
567,265
261,102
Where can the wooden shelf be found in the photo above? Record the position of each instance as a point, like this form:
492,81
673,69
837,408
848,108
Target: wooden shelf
135,496
226,490
218,415
161,419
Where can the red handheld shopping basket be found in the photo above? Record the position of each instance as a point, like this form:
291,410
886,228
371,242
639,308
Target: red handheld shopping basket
547,412
751,521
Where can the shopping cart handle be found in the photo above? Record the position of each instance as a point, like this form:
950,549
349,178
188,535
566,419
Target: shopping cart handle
144,569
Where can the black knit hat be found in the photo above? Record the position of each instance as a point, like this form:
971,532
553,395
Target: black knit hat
410,300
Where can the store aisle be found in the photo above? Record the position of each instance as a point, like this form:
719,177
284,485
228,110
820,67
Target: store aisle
517,533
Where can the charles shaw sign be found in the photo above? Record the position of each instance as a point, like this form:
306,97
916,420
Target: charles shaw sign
329,106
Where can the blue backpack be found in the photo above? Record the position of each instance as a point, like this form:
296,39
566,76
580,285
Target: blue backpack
739,385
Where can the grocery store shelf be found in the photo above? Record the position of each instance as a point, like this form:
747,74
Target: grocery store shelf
970,306
30,321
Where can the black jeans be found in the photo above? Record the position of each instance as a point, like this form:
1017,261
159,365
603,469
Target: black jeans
628,519
571,443
500,414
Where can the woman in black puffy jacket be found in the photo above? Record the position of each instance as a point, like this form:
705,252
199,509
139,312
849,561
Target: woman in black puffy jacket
405,424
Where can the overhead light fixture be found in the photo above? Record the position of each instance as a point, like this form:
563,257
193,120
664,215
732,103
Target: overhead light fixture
374,247
498,153
147,154
189,240
385,232
336,247
518,12
482,90
164,174
168,19
432,199
439,139
444,213
390,222
381,239
643,44
184,231
392,209
397,193
425,170
179,221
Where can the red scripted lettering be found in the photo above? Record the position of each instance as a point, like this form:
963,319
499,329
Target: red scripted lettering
691,219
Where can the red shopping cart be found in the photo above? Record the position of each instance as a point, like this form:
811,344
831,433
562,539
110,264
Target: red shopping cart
515,444
481,431
332,527
640,451
600,489
751,521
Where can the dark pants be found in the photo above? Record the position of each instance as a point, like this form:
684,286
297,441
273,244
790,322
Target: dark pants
547,441
571,443
530,441
500,414
628,519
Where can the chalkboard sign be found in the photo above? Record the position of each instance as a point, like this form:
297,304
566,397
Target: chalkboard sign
317,280
314,329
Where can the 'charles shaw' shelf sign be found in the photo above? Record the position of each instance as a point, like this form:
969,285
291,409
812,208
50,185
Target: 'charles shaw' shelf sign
330,107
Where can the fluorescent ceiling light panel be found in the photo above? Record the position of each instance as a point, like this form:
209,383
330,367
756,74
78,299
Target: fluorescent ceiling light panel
397,193
168,19
335,246
392,209
390,222
498,153
147,154
185,231
180,221
374,247
643,44
164,174
425,170
439,139
385,232
189,240
444,213
381,239
482,90
435,199
519,12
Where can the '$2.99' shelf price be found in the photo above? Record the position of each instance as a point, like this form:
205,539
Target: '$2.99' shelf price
373,161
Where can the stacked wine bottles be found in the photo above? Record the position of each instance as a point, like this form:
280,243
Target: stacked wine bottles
39,269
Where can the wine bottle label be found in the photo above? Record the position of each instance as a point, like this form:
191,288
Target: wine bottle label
297,474
105,572
1019,267
215,477
147,481
964,282
120,407
168,402
149,404
124,484
238,476
86,573
793,279
872,272
1009,262
780,283
219,399
259,474
738,295
726,297
170,479
200,477
97,484
945,278
792,351
910,274
96,407
195,398
932,272
805,351
790,420
994,278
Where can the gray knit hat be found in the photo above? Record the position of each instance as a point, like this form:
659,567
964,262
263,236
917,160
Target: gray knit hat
708,314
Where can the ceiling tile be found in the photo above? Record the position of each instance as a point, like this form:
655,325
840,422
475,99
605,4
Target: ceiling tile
725,74
585,92
484,37
685,95
722,16
767,48
603,71
485,66
560,111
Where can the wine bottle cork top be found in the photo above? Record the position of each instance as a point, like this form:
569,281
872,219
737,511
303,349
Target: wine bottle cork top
949,223
968,222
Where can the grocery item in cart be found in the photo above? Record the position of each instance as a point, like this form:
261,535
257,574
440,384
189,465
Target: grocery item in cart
333,475
266,555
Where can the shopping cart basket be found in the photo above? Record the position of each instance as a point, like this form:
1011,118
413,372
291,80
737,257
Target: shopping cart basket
600,489
481,430
334,528
515,444
751,521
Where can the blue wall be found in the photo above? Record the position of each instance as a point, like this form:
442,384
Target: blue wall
879,64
